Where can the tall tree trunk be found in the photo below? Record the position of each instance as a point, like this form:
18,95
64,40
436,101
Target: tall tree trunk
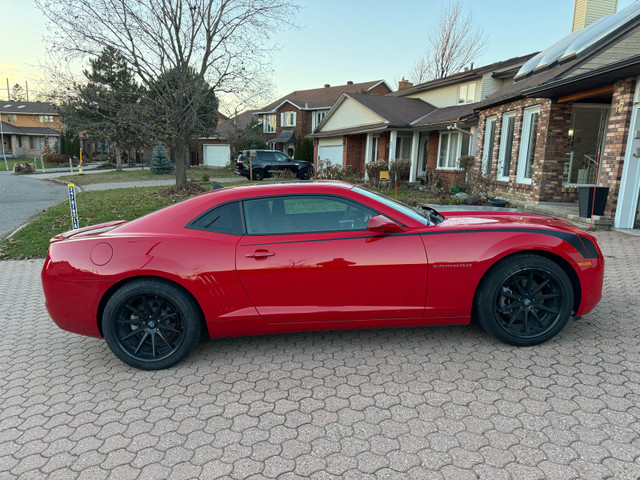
181,166
118,159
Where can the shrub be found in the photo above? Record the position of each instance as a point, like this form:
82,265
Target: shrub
205,177
374,169
432,179
484,186
328,171
160,162
402,168
58,158
285,174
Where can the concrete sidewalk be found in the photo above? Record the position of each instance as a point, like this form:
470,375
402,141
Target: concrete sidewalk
438,403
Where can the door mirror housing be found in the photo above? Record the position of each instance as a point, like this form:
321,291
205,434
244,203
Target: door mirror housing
384,225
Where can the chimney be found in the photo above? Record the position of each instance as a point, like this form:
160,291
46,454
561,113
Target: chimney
585,12
402,84
326,85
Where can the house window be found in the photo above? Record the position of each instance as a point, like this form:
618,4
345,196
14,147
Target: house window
466,93
403,147
375,148
317,117
12,117
489,142
528,144
36,143
46,118
288,119
448,149
269,125
506,145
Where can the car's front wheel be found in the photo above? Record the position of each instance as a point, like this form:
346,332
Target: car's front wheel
257,175
305,173
525,300
151,324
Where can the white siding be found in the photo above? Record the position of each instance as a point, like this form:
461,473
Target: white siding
491,85
329,142
444,96
351,114
585,12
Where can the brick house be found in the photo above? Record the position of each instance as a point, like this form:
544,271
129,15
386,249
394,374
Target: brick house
390,127
29,127
565,122
300,112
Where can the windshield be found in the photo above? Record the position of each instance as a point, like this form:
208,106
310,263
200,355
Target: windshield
428,217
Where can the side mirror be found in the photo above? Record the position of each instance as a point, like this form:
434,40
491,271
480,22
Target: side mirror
384,225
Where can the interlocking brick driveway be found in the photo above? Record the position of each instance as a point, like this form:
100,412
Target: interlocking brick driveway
413,403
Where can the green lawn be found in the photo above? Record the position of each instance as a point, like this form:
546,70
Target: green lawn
136,175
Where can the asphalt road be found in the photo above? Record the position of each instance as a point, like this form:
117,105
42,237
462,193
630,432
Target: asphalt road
21,198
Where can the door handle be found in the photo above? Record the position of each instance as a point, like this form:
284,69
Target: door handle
260,253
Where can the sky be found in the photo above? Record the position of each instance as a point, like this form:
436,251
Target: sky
335,41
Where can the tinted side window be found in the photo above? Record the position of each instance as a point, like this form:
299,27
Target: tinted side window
267,156
281,157
223,219
305,214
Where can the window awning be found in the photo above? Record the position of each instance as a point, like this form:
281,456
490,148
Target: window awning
286,136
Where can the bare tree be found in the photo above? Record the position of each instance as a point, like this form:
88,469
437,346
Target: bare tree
453,43
220,43
18,94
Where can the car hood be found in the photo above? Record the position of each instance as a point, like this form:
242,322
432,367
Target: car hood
486,219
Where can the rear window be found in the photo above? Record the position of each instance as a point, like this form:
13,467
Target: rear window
222,219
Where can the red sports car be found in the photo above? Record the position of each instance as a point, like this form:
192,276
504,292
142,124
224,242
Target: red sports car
291,257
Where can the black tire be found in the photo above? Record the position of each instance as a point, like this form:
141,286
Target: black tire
525,300
258,175
151,324
305,174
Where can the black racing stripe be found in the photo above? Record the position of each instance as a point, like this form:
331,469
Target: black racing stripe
591,248
570,238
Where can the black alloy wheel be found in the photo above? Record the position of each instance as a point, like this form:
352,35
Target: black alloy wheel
525,300
257,174
151,324
305,174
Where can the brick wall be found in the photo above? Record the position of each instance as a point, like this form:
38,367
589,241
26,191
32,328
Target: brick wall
612,158
353,152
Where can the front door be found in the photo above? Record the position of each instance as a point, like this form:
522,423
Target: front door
627,211
311,258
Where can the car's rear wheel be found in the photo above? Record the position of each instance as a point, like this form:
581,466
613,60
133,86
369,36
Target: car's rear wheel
525,300
151,324
305,174
257,174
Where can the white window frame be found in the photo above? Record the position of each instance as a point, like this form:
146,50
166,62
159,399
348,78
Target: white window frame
46,118
466,93
503,145
12,117
448,136
317,117
526,143
489,140
288,119
400,145
267,126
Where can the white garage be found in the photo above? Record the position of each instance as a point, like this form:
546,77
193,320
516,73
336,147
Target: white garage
330,149
216,155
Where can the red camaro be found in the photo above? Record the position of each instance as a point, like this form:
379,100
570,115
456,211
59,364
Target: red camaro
291,257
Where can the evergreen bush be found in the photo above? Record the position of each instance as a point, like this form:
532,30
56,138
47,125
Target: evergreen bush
160,162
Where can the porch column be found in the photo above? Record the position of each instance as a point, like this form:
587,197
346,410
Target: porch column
393,140
367,154
415,145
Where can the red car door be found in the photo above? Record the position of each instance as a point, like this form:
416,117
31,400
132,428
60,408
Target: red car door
311,259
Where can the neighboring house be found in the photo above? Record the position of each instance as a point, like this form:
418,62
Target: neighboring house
300,112
216,150
29,127
431,124
571,119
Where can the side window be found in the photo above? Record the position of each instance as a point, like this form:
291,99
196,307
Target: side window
267,156
305,214
280,157
223,219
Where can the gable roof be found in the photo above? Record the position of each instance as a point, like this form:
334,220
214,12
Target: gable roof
466,75
321,97
447,115
396,112
8,129
29,108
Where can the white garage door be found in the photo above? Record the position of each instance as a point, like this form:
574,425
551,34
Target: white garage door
216,155
332,153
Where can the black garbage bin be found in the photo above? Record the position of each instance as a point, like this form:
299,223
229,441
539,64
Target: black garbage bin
586,201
